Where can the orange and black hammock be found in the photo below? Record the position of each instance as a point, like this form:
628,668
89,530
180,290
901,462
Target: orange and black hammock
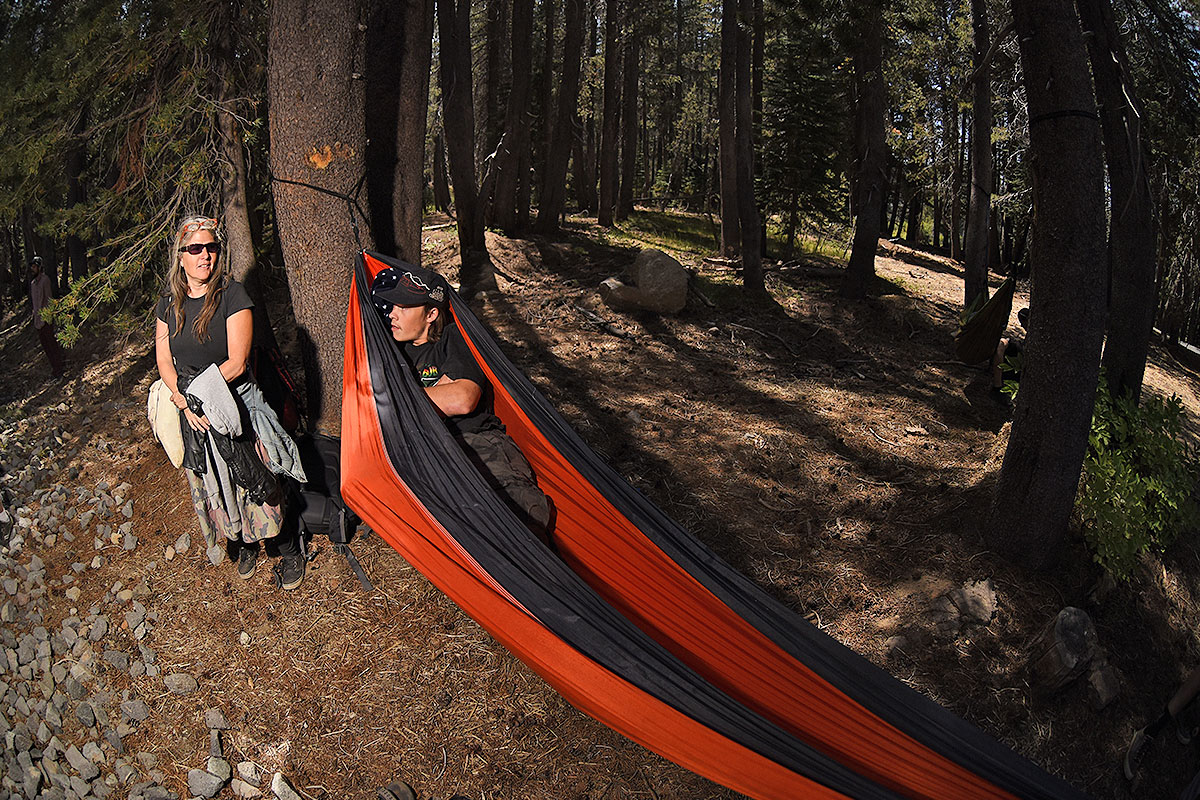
637,623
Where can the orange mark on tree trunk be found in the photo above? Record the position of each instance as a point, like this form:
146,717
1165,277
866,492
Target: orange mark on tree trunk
322,157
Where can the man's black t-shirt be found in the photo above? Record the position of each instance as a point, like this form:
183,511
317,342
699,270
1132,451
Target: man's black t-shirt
189,353
450,356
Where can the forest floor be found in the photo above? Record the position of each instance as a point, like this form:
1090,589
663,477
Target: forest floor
832,451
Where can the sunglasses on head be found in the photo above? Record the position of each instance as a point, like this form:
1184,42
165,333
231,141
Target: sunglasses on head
196,248
199,225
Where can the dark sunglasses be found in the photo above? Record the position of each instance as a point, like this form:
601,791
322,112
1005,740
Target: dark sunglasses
197,248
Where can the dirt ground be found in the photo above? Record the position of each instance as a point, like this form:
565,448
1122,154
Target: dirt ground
834,452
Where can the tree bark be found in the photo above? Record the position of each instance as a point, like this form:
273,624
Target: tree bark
629,118
399,49
975,270
731,236
611,114
454,36
870,156
76,164
1040,474
956,179
516,122
554,179
318,136
441,189
916,205
748,218
1132,241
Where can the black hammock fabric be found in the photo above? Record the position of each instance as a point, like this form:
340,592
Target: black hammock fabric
684,654
981,331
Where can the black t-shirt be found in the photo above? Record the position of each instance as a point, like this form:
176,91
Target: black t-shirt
190,354
450,356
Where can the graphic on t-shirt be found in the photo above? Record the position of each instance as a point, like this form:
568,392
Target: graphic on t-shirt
429,375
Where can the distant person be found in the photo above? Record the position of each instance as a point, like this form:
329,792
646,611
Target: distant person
205,319
1182,709
40,295
1009,349
415,305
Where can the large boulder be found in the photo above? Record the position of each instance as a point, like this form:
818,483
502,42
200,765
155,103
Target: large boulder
655,282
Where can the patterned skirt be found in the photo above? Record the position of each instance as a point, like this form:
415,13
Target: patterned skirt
258,521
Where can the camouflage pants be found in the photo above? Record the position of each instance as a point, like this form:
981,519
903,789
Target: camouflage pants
258,521
507,471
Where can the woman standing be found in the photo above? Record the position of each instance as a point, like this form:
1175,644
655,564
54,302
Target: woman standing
206,320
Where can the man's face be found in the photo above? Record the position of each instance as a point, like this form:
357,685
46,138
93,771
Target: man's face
411,323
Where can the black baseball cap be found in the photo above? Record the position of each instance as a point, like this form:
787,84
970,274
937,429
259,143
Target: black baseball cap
407,286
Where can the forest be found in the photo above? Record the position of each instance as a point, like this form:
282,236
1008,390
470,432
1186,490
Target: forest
1054,142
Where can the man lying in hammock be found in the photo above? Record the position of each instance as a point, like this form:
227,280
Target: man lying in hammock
415,304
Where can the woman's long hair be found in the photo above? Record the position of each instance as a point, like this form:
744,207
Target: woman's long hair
177,279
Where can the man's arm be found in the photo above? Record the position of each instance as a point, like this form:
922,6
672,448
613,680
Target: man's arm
454,398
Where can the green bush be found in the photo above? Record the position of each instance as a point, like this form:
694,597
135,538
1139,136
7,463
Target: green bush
1139,480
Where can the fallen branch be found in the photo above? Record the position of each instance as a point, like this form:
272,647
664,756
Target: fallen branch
604,324
764,334
880,438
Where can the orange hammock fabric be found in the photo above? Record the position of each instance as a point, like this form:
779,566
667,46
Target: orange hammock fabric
638,624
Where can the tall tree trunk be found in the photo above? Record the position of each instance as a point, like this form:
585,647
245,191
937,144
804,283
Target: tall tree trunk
870,153
76,164
610,125
748,218
441,189
554,188
1040,474
731,235
956,221
550,24
976,248
318,136
454,36
629,118
488,119
936,242
397,87
516,122
915,208
235,207
1132,243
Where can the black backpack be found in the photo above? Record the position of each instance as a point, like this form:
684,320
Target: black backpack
319,505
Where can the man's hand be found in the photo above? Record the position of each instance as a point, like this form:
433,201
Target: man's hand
454,398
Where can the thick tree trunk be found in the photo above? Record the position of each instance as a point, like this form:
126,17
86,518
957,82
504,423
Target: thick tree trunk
454,36
629,120
516,122
913,227
549,26
748,218
489,123
731,236
976,249
936,239
1040,474
554,187
318,136
1132,243
611,114
399,36
76,164
441,189
870,154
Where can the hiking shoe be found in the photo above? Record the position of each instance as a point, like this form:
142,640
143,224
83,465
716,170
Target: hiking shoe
1136,752
247,561
1185,734
289,572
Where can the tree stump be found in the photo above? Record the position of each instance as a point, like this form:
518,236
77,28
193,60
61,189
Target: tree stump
1063,651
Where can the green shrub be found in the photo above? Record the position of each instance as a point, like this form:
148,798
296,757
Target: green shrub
1139,480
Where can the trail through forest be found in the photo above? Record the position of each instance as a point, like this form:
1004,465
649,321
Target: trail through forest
834,452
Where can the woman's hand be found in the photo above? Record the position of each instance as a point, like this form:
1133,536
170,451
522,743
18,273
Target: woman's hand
200,423
179,400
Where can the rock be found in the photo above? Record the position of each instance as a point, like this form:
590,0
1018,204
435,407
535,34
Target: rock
183,543
93,753
73,594
125,771
244,638
130,541
249,772
99,629
135,616
895,644
202,783
242,789
135,710
1063,650
215,720
216,554
975,601
282,789
1104,685
147,760
81,764
214,745
180,683
127,510
655,282
118,659
945,616
219,767
169,555
125,595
